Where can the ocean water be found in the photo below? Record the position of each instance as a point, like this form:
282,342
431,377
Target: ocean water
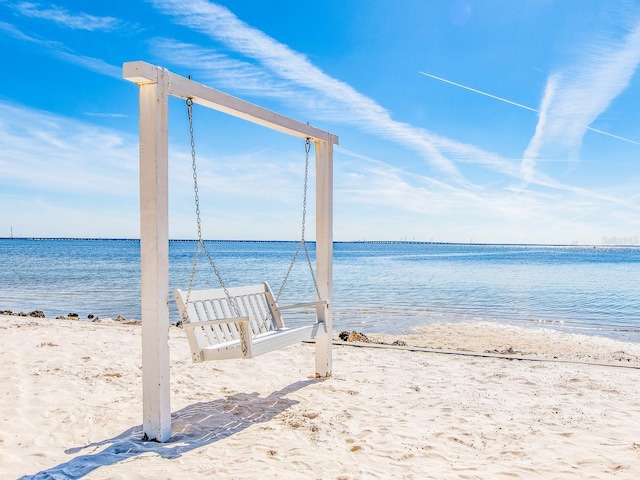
378,287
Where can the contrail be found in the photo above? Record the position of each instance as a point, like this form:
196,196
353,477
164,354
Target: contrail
480,92
602,132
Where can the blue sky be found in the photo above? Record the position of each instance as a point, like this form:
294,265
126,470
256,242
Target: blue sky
459,120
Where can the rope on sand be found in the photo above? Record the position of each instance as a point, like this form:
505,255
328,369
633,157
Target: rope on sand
466,353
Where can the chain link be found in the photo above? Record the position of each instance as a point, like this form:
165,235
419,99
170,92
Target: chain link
201,245
302,243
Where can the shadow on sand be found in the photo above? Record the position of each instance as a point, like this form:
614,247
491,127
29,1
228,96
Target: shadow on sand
192,427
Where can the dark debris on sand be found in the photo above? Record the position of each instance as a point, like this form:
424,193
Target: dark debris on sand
354,336
71,316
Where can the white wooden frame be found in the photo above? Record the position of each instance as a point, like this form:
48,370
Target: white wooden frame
156,84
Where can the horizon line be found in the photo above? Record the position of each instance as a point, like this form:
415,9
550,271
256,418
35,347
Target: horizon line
407,242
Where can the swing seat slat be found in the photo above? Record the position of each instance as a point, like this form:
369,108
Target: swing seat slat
214,333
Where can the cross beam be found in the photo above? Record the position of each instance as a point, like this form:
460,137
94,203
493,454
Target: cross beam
144,73
156,84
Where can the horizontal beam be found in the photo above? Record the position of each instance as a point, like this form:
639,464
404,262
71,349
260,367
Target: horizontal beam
143,73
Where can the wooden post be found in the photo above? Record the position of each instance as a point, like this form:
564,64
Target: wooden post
324,251
154,258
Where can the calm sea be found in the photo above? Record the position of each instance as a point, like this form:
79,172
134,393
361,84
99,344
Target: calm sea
378,287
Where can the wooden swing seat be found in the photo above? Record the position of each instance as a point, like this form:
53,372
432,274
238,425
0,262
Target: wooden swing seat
215,333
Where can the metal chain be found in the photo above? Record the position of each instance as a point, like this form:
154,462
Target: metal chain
302,243
189,103
201,245
307,148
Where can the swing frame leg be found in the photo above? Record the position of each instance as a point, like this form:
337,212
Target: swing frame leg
324,252
154,259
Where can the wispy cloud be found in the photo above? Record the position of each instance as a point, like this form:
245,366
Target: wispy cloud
90,63
287,72
214,68
576,95
67,19
346,105
450,211
50,153
273,69
105,115
62,52
532,152
63,174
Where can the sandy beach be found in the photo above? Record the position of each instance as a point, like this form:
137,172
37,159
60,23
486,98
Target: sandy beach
533,403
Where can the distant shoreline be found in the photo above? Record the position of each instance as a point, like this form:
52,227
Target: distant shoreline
372,242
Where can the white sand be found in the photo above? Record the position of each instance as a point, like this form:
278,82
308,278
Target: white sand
70,407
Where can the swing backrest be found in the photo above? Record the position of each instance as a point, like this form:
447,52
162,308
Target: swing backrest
255,301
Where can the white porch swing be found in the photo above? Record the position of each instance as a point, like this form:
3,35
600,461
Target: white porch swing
241,322
155,86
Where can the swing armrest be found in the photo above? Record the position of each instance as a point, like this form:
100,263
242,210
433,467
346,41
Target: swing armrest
303,305
221,321
243,327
